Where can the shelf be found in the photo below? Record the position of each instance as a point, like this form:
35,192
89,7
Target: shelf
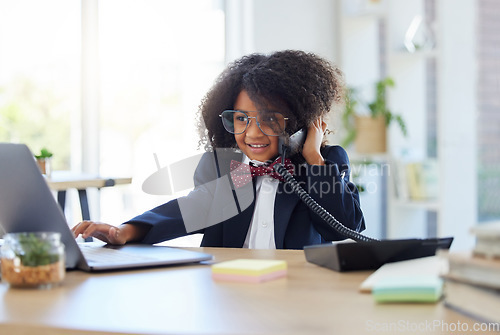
364,15
357,158
403,55
431,205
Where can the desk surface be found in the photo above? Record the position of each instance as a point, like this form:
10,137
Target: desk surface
63,180
184,299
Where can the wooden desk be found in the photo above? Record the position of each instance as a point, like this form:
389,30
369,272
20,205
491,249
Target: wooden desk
61,181
184,299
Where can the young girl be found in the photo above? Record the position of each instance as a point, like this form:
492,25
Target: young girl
256,101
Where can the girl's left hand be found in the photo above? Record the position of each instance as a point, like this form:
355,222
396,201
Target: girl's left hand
312,145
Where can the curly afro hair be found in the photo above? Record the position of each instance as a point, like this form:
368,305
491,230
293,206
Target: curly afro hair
300,85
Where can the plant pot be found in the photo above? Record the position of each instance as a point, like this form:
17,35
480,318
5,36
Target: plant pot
45,166
370,134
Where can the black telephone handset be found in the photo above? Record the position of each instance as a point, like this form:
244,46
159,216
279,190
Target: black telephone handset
296,141
290,145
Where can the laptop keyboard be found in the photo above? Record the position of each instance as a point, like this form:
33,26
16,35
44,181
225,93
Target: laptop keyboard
106,255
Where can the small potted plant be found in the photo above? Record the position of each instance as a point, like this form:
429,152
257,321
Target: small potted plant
33,259
44,161
368,131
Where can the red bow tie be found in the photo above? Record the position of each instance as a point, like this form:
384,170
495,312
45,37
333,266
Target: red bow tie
241,173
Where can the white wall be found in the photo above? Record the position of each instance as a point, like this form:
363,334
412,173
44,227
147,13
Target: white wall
271,25
457,120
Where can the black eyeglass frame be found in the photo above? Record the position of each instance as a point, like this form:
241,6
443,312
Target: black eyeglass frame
285,119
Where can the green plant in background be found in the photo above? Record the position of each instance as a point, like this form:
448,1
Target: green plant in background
44,153
35,251
351,103
359,185
378,107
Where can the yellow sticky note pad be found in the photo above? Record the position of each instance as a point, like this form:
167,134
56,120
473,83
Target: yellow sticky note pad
249,270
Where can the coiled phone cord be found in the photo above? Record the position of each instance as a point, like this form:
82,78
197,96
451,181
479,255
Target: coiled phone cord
318,209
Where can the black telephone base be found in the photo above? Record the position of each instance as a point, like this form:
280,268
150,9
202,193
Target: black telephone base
352,256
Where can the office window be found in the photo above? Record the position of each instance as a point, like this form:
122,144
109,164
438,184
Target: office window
157,60
39,74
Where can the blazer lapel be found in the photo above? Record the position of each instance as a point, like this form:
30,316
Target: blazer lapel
235,229
283,207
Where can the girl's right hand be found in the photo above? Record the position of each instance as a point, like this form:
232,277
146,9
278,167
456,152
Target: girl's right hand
102,231
312,146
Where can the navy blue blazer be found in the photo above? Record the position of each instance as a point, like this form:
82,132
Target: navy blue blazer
295,225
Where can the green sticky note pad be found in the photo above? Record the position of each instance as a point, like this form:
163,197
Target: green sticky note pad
408,289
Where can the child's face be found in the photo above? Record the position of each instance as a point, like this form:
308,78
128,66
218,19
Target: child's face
253,142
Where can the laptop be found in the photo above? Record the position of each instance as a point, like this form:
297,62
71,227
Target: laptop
28,205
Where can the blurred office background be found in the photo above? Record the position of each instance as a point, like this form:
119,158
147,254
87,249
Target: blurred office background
106,84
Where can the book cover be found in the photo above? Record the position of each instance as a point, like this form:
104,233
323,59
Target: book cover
430,178
491,229
469,268
415,185
487,239
423,179
478,302
400,180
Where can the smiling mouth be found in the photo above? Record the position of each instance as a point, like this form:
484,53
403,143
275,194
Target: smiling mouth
258,145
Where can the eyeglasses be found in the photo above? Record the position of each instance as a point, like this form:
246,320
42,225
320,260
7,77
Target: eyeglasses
270,123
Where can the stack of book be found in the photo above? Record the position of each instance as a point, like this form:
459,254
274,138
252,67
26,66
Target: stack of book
472,284
487,240
416,180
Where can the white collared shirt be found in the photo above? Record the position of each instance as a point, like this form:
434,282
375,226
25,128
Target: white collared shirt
260,234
